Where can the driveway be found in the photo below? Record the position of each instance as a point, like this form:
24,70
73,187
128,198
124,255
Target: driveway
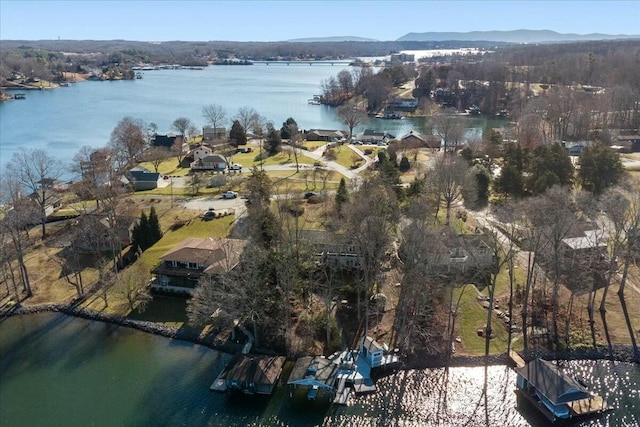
218,203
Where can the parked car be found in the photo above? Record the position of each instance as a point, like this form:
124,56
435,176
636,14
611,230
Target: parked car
245,150
310,194
235,167
229,195
210,214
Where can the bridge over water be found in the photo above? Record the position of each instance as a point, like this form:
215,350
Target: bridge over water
336,62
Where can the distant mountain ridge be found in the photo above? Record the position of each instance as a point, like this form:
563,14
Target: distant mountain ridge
513,36
332,39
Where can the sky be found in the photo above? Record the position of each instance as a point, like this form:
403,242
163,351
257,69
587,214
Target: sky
202,20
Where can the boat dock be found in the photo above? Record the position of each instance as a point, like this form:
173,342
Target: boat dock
519,361
341,373
250,374
555,394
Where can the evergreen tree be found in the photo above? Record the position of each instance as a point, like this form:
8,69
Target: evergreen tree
288,128
342,195
549,165
274,141
600,167
237,134
510,181
139,233
155,233
404,164
482,178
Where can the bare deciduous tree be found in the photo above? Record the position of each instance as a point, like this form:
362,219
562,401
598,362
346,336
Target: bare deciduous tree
181,125
371,217
449,128
352,115
247,116
128,140
36,171
155,156
451,181
215,115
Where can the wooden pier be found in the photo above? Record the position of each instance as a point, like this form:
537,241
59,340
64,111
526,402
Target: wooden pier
519,361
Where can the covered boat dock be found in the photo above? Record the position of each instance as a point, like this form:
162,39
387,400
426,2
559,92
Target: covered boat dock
250,374
556,394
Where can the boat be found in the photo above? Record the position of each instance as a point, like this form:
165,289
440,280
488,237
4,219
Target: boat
315,100
555,394
138,75
19,96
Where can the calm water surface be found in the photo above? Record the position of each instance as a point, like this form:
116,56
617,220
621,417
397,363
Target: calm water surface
62,371
63,120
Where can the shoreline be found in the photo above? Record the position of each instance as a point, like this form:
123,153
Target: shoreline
619,353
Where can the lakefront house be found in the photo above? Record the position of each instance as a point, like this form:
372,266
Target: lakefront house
181,268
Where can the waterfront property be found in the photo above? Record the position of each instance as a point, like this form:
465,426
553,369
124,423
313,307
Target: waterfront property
414,138
211,134
332,249
328,135
556,394
140,178
250,374
341,373
96,233
213,162
181,267
370,136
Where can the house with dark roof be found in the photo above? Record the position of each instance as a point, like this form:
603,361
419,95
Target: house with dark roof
181,268
370,136
165,140
325,135
141,178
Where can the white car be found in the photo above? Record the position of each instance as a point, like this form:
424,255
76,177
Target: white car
235,167
229,195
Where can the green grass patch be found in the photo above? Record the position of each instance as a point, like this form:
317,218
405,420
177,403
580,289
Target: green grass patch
312,145
64,213
345,157
167,167
220,227
471,317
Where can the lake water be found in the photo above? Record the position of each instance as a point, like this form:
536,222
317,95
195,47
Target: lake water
63,120
57,370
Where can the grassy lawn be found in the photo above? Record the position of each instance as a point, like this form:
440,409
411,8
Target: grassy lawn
471,317
247,160
167,167
292,181
345,156
196,227
371,150
312,145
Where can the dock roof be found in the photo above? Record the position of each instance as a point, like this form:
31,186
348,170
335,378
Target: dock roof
314,371
254,369
554,384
